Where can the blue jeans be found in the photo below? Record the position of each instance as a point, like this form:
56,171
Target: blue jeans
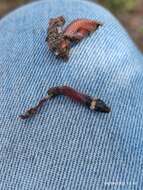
66,146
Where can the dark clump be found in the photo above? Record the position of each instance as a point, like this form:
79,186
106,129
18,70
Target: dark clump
59,39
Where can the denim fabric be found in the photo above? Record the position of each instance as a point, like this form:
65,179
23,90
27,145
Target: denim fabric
66,146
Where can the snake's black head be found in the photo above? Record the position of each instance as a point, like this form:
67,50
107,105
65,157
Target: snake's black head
99,105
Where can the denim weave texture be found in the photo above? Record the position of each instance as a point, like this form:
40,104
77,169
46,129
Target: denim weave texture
67,146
